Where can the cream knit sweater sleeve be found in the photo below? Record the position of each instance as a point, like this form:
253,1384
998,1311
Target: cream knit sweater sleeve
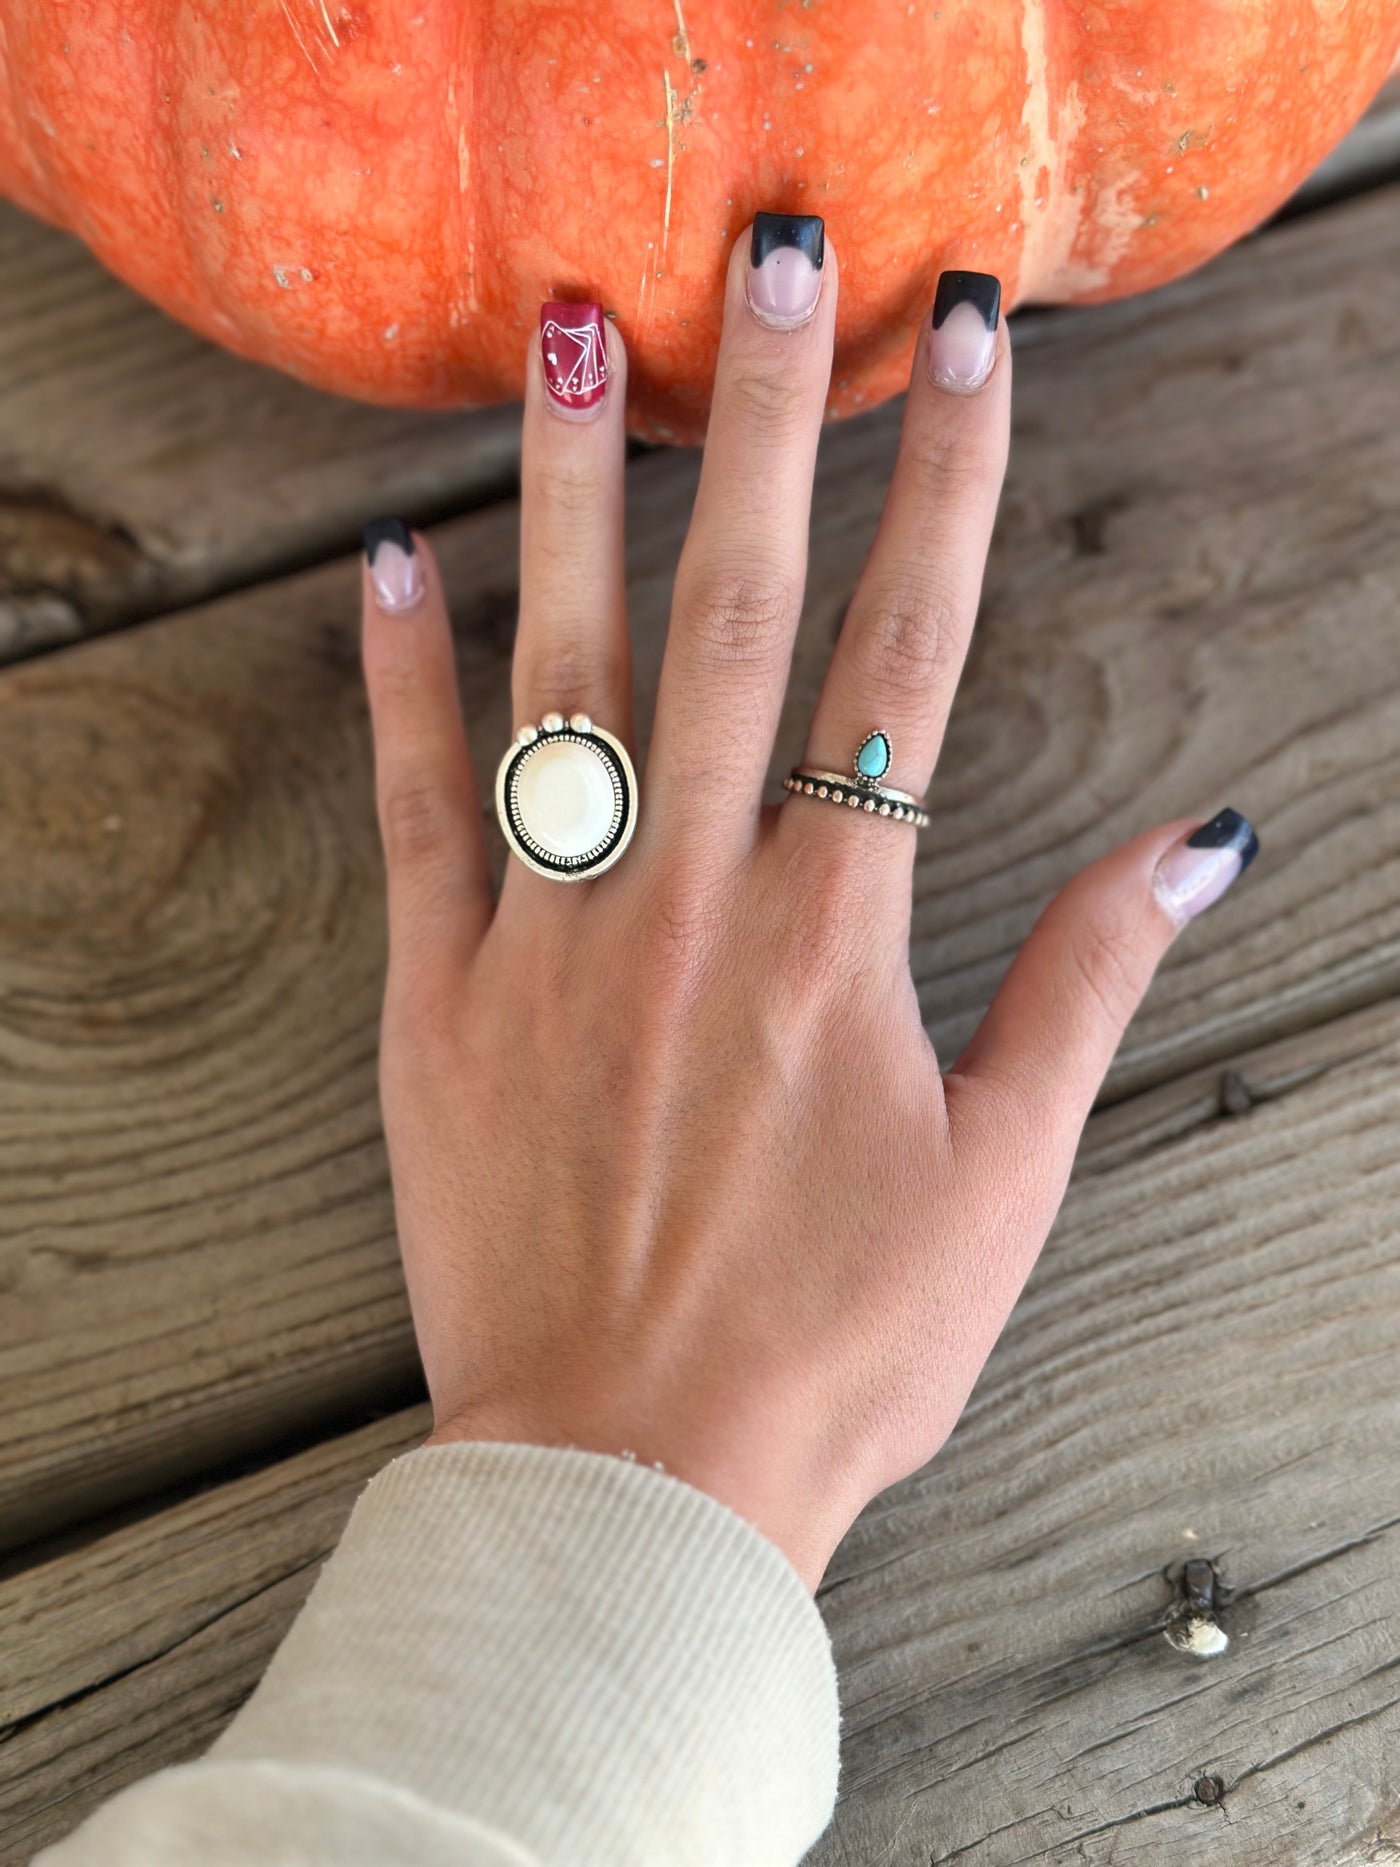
517,1657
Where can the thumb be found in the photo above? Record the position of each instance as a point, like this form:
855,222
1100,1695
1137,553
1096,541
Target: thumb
1052,1030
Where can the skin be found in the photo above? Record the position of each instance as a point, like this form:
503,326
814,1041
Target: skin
678,1174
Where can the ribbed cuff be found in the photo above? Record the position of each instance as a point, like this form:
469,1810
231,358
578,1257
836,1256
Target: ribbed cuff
583,1654
262,1814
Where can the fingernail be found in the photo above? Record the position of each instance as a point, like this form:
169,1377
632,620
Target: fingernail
962,345
785,268
1197,871
574,345
394,569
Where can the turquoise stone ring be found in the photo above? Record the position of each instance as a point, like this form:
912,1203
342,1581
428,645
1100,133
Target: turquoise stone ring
863,790
873,758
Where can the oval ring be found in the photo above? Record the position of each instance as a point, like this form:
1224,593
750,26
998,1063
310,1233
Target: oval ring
566,797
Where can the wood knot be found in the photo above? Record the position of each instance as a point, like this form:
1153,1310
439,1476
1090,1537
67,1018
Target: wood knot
1088,526
47,544
1210,1790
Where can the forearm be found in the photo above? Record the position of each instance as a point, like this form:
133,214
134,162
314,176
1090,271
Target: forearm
518,1655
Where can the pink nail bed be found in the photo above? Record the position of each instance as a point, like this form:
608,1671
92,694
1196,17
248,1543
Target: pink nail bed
962,344
394,569
786,253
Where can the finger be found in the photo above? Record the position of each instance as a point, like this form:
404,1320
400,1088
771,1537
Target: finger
902,645
1052,1030
439,882
571,647
744,566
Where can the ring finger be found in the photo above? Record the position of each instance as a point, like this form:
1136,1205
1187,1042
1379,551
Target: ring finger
902,644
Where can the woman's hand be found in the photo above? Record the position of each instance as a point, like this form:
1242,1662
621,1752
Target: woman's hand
678,1175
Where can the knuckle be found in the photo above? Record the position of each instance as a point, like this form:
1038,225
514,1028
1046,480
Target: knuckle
420,819
684,917
770,400
822,902
1106,963
568,488
993,1111
818,940
420,1004
741,619
913,637
567,673
402,671
960,458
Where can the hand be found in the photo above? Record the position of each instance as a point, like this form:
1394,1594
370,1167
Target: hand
677,1173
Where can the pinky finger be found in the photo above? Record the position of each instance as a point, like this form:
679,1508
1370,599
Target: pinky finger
1052,1030
439,880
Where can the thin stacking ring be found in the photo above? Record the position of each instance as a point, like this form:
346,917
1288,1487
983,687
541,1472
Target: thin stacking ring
566,797
861,789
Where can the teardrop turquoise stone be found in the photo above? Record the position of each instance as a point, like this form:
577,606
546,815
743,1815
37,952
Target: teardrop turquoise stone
873,759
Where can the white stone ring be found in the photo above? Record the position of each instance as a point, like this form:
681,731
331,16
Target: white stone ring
566,797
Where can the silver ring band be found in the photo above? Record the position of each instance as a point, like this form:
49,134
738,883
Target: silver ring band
860,788
873,798
846,782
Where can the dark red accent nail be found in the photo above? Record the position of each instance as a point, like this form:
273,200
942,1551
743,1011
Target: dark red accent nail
574,345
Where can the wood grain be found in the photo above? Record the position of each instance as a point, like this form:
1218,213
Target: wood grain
1124,1131
134,1650
1205,1364
141,467
197,1249
193,947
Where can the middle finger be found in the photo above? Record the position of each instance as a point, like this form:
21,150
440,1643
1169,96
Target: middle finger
742,572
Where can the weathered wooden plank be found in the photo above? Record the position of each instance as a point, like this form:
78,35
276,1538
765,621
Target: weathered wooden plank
1223,1091
1191,600
1204,1365
134,1650
141,467
188,1095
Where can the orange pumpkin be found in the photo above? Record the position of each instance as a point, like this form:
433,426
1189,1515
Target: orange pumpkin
377,197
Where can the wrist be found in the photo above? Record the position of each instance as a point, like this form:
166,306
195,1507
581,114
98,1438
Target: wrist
803,1522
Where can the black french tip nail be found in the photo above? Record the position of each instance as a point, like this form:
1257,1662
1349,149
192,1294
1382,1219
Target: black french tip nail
387,532
1227,831
982,290
806,232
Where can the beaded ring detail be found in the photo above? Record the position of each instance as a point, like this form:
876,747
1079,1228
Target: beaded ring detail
862,790
566,797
